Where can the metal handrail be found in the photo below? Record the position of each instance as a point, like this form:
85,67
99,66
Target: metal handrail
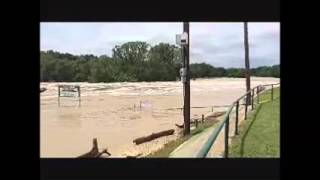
198,107
225,122
213,136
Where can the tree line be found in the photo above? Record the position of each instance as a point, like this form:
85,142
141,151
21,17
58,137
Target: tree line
133,62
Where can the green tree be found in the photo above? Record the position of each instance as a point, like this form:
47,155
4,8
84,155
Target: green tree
101,71
163,61
131,57
133,61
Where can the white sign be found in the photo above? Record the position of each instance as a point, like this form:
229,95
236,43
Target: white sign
178,39
68,91
183,74
182,39
68,94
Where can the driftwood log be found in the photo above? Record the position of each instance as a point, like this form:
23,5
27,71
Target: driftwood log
94,152
153,136
135,156
42,90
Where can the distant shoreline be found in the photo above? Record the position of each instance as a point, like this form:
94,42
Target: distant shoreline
154,81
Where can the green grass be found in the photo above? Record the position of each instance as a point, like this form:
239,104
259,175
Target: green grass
165,151
259,136
266,95
260,133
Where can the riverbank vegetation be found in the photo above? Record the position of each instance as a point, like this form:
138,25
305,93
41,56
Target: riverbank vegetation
133,62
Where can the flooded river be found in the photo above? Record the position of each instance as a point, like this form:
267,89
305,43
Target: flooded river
117,113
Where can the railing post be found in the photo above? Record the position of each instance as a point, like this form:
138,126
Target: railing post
271,92
59,96
252,102
196,122
258,92
237,118
202,118
79,96
246,108
226,138
79,93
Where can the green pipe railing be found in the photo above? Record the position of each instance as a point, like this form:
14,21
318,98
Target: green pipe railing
203,152
213,136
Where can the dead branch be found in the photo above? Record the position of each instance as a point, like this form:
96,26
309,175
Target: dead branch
94,152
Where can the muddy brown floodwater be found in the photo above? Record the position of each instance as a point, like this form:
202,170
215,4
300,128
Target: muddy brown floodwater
111,113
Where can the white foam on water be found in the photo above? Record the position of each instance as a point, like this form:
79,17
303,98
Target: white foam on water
153,88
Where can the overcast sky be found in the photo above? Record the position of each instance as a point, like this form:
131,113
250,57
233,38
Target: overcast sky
219,44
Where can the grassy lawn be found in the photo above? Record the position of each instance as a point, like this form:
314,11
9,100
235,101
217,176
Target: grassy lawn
260,133
172,145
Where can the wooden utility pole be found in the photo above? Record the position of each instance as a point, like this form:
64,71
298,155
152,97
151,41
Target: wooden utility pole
186,107
247,63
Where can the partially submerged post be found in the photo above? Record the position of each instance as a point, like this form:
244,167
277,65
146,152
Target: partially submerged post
202,118
79,93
